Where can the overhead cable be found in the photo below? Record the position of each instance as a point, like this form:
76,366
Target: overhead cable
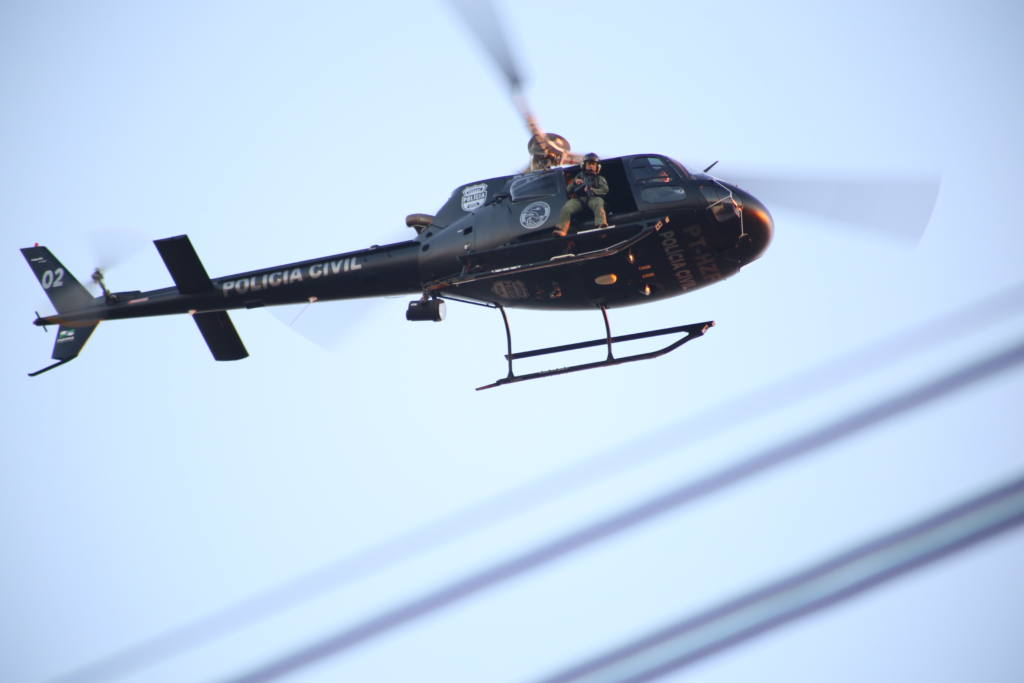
896,406
588,471
709,632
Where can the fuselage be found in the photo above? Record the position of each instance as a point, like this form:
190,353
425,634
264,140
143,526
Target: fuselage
706,230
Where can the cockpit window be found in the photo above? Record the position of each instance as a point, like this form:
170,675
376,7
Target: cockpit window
681,168
535,186
657,181
651,171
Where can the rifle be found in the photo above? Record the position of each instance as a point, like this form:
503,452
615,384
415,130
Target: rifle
584,189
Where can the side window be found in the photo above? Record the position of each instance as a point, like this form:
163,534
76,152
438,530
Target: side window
535,186
655,180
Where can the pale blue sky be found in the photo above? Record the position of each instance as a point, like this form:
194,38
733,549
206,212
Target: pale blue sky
144,485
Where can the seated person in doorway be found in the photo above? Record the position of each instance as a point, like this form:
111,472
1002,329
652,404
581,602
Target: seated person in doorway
586,189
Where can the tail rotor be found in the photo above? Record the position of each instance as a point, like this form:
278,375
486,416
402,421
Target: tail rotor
68,296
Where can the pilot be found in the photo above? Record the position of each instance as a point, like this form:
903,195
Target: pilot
587,188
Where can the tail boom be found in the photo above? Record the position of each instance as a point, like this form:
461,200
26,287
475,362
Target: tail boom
377,271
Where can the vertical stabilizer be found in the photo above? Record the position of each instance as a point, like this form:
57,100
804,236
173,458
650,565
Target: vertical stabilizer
68,345
65,292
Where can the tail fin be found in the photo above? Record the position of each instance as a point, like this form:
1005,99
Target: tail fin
65,292
69,343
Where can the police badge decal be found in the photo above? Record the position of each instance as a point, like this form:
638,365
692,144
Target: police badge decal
474,196
535,215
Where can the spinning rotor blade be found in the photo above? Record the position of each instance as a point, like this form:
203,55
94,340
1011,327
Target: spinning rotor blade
483,22
325,324
112,247
899,207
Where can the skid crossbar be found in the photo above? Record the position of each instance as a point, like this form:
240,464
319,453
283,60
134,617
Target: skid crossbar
691,331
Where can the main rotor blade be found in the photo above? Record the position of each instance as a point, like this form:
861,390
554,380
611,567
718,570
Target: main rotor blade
326,324
483,22
899,207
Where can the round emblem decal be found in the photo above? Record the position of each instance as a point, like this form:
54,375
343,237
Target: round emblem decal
535,215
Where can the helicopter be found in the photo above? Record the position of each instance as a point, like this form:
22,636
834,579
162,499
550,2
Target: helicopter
493,243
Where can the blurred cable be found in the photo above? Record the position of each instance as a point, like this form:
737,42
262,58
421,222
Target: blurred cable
686,493
818,587
590,470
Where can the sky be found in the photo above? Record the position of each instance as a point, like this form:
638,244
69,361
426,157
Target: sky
146,487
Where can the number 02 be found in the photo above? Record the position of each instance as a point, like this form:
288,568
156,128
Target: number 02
52,278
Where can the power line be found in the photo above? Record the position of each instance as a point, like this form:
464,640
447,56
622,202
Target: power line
764,401
689,492
818,587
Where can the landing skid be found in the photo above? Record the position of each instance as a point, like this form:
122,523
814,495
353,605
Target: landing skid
691,331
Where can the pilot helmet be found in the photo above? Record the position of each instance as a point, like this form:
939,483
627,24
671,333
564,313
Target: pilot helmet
591,157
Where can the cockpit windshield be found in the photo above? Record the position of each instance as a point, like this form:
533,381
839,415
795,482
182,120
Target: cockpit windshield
535,186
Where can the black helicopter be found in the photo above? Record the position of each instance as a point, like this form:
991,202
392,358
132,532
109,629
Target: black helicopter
670,231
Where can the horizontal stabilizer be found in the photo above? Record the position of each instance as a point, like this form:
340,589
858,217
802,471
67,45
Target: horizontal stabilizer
191,278
182,261
220,335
